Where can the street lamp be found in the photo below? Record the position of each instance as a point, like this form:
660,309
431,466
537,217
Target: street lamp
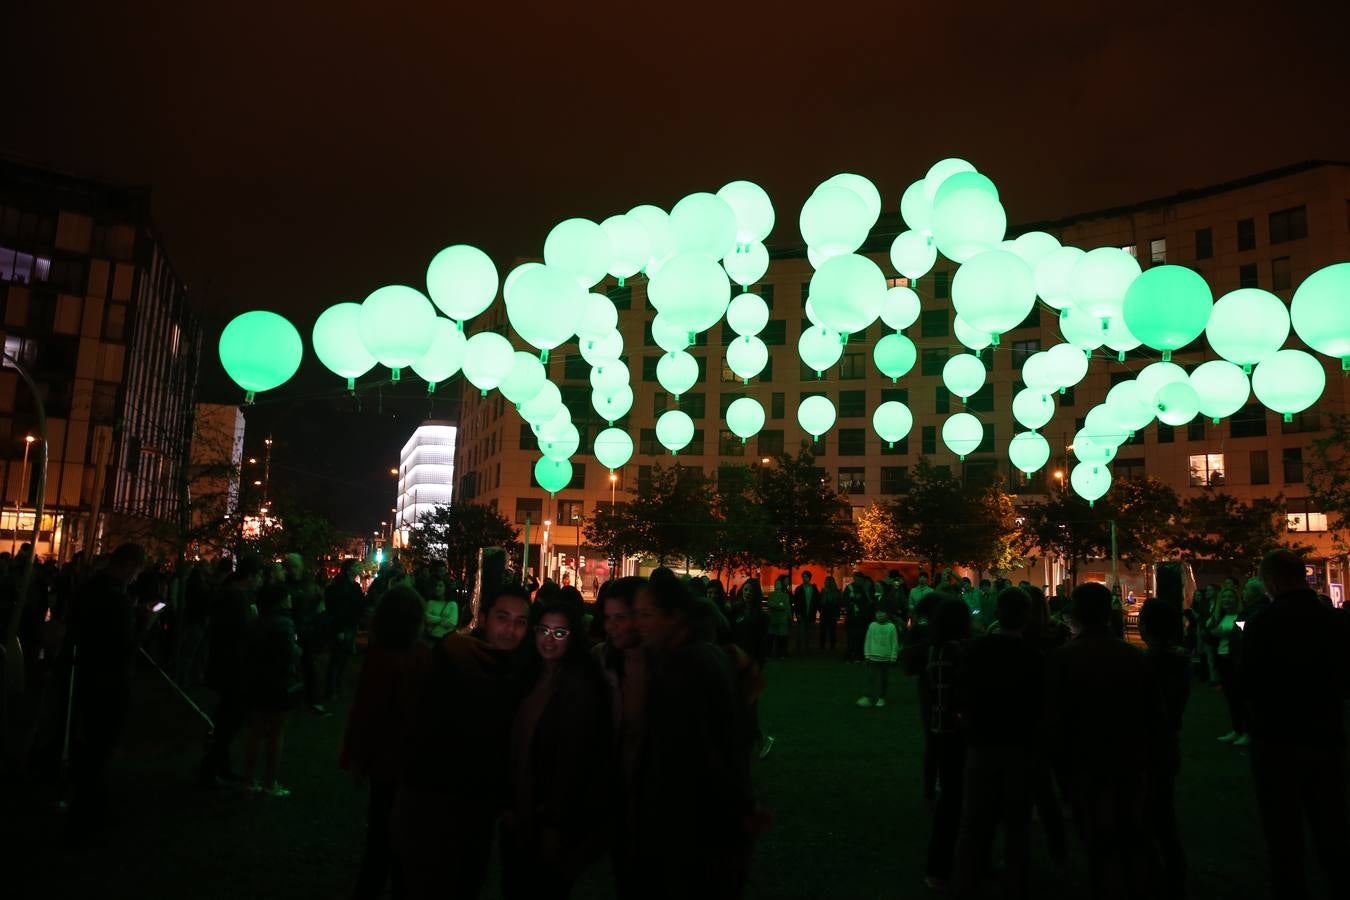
28,441
613,483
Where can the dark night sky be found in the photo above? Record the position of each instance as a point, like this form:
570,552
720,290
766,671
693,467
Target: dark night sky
304,153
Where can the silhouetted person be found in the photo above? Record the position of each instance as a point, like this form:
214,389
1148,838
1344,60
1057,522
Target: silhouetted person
231,611
805,606
272,685
1160,626
830,601
1296,668
945,750
342,600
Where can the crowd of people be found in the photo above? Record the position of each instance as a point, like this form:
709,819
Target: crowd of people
623,731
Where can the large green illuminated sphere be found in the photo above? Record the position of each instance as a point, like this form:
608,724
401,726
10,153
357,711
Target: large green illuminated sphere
1102,427
962,433
1034,246
810,311
559,442
526,378
579,249
1100,280
1176,403
867,192
900,307
963,181
939,172
994,292
1029,451
609,378
912,255
606,348
963,375
1247,326
704,224
1167,307
462,281
747,263
337,341
745,417
612,407
1067,363
543,406
445,355
1091,482
847,292
1090,451
488,360
967,223
916,209
509,284
553,474
753,209
1129,406
674,430
834,221
1054,276
1321,311
669,336
747,356
816,415
1039,372
629,246
1032,408
545,306
747,314
677,372
1119,337
1289,381
1082,330
598,317
892,420
656,222
397,325
819,348
613,448
894,355
691,292
260,350
1222,386
970,337
1154,376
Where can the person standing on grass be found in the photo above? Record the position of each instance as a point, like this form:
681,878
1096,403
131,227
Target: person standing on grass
945,746
857,616
806,607
1296,666
343,600
231,612
1160,626
311,625
271,686
1223,625
830,601
378,725
881,647
780,618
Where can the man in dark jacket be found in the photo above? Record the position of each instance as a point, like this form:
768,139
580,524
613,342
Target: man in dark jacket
342,601
1296,668
805,605
311,627
1170,671
231,611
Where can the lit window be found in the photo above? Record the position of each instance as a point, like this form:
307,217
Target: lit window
1131,249
1207,470
1157,251
897,282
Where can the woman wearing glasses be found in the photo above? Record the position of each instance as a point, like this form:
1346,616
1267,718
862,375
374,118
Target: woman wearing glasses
560,755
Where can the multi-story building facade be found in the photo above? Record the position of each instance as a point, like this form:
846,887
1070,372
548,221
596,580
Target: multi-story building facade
1270,231
426,475
93,309
216,463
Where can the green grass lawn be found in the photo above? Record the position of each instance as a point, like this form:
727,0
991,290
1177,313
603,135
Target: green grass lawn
843,784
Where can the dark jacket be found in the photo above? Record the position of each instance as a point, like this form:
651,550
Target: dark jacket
230,611
103,633
1170,673
805,609
343,600
271,654
1000,682
380,721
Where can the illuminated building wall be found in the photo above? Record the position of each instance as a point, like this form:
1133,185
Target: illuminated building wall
425,474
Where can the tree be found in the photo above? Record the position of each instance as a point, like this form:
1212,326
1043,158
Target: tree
453,533
1329,476
740,530
940,519
877,534
669,516
806,519
1217,525
1067,527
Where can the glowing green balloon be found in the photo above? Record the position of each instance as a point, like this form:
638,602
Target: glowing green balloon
1032,408
816,415
674,430
526,378
545,305
1067,363
1039,372
1119,337
939,172
613,448
970,337
963,181
912,254
1222,387
609,378
752,208
847,292
1167,307
1034,246
1176,403
704,224
747,314
834,221
867,192
598,317
1100,280
553,474
462,281
747,356
543,406
612,407
745,417
655,221
606,348
916,209
819,348
1090,451
1091,482
1029,451
1321,312
509,284
1289,381
963,375
967,223
677,372
1247,326
1081,329
579,249
337,341
397,325
260,350
629,246
962,433
1054,276
1103,427
891,421
1153,377
691,292
1129,406
994,292
488,360
747,263
560,443
669,336
894,355
445,355
900,307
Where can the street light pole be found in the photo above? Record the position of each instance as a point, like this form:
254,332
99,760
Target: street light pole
18,500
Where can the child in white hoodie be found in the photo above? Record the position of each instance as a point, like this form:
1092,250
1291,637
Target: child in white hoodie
880,649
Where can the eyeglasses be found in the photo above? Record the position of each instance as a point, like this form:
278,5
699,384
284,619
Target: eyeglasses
558,634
